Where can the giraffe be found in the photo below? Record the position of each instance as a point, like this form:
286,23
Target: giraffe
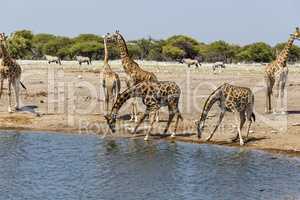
10,70
154,95
276,74
111,81
134,73
239,100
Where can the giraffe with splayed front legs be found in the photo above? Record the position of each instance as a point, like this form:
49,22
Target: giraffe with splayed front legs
239,100
154,95
11,70
111,81
135,74
276,74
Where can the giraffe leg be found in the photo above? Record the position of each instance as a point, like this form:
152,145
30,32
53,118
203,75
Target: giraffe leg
134,111
282,90
1,87
9,96
16,85
171,116
217,126
240,123
157,116
176,124
250,117
248,130
268,108
146,114
277,94
106,93
152,121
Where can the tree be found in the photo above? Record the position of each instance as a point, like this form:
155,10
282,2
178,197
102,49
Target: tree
257,52
218,51
89,45
39,41
173,52
156,51
179,46
58,46
20,44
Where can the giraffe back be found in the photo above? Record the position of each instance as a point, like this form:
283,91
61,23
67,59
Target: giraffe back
236,98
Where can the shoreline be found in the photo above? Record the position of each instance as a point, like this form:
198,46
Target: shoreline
186,139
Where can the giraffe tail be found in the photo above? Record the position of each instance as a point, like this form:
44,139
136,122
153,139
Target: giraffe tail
180,116
1,88
23,86
253,117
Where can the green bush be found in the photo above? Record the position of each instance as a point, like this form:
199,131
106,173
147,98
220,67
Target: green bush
24,44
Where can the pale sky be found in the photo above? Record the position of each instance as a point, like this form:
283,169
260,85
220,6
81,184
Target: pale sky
235,21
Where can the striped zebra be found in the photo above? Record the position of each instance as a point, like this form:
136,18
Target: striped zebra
53,59
190,62
82,59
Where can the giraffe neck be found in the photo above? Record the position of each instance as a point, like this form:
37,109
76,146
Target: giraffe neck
123,97
211,100
122,47
284,54
105,52
6,60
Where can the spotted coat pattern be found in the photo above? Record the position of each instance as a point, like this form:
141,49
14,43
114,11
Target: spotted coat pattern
154,96
239,100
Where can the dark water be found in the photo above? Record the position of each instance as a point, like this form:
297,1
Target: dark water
55,166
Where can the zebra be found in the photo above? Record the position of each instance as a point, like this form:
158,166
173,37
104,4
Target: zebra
82,59
218,65
190,62
52,59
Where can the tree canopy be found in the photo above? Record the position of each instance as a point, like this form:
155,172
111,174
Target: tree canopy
24,44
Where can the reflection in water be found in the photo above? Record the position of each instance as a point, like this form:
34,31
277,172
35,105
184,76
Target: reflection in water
57,166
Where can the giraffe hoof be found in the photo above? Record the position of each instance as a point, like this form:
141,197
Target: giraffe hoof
10,110
242,143
173,135
146,138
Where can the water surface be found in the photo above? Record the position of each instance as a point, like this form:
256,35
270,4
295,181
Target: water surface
70,167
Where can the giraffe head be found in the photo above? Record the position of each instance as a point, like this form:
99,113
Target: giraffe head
296,34
111,121
3,38
108,38
114,37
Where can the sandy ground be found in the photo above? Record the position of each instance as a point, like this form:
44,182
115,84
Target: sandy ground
69,98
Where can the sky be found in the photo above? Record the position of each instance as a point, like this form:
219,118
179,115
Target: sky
235,21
